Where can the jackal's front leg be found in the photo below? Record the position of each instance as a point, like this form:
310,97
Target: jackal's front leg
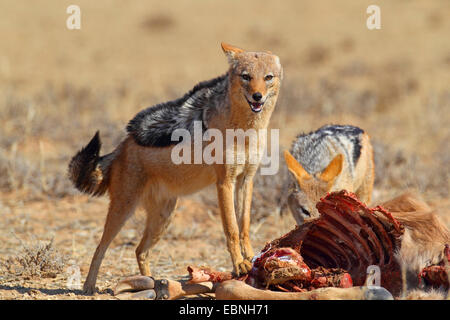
225,195
244,190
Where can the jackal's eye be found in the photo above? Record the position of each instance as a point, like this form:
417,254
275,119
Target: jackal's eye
268,77
245,77
304,211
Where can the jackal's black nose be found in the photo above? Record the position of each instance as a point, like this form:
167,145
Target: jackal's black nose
257,96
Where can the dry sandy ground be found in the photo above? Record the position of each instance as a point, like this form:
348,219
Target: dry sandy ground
57,87
194,237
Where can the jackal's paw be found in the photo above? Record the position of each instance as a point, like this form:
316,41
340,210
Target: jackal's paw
249,259
244,267
88,289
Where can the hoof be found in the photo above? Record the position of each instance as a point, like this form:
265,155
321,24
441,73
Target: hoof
149,294
142,287
133,284
377,293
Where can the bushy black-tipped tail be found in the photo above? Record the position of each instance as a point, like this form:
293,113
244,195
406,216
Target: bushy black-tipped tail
88,171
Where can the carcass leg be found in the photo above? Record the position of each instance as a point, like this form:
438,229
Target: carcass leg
238,290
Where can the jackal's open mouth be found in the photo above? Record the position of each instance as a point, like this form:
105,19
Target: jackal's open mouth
256,106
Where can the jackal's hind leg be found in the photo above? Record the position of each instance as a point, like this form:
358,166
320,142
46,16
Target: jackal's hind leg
159,214
120,209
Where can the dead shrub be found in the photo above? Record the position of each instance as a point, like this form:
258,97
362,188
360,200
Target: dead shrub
36,259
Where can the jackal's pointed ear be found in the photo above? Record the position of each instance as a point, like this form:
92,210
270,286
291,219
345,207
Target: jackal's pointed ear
230,51
333,169
295,167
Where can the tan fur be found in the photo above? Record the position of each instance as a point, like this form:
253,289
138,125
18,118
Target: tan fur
406,202
336,177
432,294
147,175
425,234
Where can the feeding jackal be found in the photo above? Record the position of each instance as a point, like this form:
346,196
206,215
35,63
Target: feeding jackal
333,158
141,171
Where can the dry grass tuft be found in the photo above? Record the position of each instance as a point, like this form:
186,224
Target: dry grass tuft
36,259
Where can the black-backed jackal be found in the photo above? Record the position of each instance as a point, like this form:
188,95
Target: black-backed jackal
140,170
333,158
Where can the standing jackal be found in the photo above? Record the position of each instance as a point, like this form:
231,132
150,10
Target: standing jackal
141,171
333,158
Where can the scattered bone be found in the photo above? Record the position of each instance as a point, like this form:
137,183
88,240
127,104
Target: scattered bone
206,274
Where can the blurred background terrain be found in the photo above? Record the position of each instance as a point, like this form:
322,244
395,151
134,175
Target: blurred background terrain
58,86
